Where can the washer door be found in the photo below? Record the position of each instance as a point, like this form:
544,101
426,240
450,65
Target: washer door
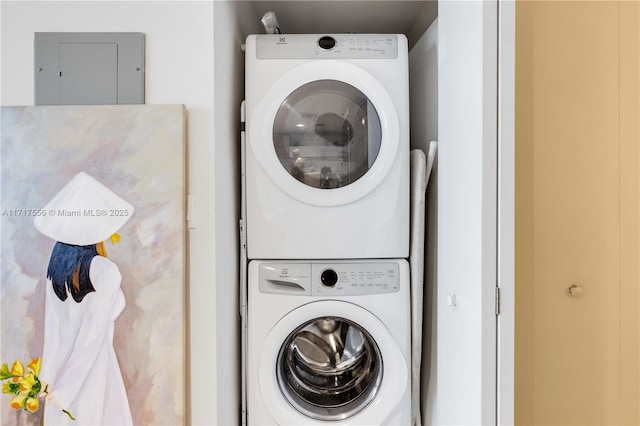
329,368
326,132
331,361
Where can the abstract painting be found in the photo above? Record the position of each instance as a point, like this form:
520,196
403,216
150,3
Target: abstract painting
104,187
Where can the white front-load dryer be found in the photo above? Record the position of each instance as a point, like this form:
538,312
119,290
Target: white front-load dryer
327,146
328,343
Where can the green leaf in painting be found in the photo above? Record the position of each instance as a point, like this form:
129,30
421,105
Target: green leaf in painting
5,373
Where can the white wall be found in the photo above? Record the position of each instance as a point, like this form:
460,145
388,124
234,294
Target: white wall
179,70
233,21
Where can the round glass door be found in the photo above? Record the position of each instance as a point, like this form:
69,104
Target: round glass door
329,368
327,134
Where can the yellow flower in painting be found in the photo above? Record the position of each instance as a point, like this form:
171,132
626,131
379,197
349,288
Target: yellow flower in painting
32,405
27,383
18,402
34,366
21,402
17,369
24,385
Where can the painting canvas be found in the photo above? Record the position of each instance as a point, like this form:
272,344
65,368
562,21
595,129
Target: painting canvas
93,264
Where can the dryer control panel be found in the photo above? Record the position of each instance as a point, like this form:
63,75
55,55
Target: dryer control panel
327,46
329,279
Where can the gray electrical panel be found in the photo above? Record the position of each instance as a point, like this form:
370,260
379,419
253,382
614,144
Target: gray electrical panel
89,68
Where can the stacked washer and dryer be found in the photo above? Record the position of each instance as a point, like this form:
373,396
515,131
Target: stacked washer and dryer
325,230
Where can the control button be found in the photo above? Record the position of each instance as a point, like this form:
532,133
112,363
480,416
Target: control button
329,278
327,42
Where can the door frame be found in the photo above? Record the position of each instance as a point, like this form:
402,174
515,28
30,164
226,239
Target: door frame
506,213
475,306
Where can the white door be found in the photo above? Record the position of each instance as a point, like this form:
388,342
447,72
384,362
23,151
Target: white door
468,139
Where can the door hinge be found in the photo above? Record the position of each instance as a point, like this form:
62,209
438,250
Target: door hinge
497,301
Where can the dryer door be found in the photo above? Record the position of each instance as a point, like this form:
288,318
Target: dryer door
326,132
328,363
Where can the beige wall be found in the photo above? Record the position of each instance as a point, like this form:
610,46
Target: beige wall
577,218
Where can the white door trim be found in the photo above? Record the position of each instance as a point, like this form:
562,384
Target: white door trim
506,211
467,211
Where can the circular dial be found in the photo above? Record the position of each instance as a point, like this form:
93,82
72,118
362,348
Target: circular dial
329,278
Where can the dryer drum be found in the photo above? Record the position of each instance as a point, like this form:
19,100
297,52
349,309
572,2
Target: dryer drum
327,134
329,368
334,128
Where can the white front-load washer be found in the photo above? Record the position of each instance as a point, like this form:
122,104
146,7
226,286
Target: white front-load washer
328,343
327,146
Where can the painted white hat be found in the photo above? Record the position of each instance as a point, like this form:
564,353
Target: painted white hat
84,212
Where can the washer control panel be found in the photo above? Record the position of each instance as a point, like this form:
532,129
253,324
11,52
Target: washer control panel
350,279
329,279
327,46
